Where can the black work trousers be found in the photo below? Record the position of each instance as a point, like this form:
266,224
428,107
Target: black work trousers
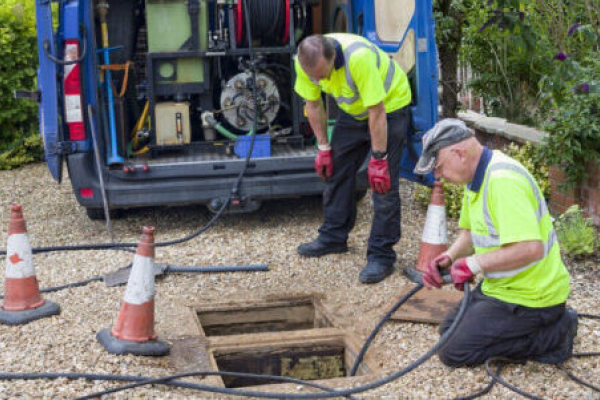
350,145
494,328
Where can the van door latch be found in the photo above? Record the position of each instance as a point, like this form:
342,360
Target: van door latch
64,148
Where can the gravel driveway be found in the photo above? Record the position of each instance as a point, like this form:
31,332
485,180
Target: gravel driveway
67,342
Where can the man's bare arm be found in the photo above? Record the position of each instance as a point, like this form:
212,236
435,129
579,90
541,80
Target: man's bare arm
317,119
378,127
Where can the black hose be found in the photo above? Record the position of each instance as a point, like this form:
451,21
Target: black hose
589,353
237,392
483,391
375,330
503,382
578,380
67,286
266,18
122,246
590,316
168,379
362,388
586,354
254,94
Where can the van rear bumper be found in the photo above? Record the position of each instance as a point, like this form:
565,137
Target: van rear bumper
141,189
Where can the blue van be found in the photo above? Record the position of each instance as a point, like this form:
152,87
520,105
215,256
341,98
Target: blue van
152,102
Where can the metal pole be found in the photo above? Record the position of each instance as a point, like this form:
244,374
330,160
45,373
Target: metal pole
114,157
234,268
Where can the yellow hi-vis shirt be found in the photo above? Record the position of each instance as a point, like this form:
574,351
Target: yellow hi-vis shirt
507,208
367,77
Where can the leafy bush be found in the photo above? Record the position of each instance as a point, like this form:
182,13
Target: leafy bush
576,234
527,154
453,195
506,66
574,127
525,54
530,156
18,52
24,151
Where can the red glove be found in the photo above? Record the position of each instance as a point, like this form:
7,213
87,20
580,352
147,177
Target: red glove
461,273
324,164
379,175
432,277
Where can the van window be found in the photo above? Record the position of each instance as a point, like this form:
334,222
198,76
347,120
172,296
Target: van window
405,56
392,18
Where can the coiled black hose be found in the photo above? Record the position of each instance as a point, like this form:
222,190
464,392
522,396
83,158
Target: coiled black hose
267,18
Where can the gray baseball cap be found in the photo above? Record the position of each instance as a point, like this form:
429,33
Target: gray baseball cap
445,133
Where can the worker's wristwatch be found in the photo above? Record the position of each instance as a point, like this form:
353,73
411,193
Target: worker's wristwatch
379,155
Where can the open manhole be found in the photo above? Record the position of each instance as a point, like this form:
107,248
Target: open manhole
260,317
291,336
316,361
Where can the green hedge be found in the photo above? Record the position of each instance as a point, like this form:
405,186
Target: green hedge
18,64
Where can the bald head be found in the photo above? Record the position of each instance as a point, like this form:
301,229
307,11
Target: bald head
313,49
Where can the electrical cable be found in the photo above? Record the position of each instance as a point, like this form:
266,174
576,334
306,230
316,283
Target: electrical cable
248,393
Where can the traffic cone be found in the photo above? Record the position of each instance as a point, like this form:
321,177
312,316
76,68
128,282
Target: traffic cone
22,299
133,333
435,237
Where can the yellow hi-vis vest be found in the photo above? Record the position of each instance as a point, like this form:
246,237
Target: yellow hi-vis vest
367,77
508,208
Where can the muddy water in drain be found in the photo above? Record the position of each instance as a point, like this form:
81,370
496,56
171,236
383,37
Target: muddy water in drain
307,363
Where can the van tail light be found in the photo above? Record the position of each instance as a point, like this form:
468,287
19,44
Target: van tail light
73,95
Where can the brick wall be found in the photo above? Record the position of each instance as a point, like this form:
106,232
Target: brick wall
586,194
493,141
497,134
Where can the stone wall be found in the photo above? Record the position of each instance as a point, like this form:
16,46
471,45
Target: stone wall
497,133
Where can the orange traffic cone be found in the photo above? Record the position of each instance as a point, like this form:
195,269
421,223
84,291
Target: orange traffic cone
435,238
22,300
133,332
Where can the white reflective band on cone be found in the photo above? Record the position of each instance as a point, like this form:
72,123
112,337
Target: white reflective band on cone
435,231
19,260
140,287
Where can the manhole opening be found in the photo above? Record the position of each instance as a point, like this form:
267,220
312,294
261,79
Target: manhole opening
315,362
284,316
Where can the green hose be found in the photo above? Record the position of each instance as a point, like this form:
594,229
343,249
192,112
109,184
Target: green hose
222,130
225,132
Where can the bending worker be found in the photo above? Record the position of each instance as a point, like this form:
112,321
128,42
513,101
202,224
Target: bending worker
518,311
373,94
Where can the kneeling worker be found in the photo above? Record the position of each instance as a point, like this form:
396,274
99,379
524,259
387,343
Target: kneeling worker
518,311
373,94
